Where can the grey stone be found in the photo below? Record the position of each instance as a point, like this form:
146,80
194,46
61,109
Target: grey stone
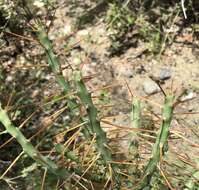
188,95
165,74
150,87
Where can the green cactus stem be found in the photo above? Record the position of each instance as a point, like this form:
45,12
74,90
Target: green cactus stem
135,120
134,143
161,145
54,64
52,58
28,148
101,139
86,99
84,95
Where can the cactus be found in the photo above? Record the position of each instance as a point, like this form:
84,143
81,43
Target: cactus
133,144
86,99
101,140
160,146
52,59
54,64
84,95
135,119
28,148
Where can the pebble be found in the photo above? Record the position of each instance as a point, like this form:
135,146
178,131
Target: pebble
150,87
165,74
188,96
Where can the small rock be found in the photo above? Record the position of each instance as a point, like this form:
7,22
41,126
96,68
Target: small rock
165,74
188,95
150,87
93,56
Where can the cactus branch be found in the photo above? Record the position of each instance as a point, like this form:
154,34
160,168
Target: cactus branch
135,120
52,59
86,99
28,148
54,64
160,146
84,95
101,139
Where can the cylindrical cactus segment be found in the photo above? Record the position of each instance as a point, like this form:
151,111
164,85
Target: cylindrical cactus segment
28,148
86,99
135,120
52,59
83,94
101,139
161,144
54,64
